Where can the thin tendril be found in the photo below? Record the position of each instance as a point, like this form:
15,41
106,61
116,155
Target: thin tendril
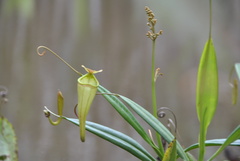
161,115
210,19
44,52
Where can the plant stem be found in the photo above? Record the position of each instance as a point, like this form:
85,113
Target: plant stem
154,100
210,19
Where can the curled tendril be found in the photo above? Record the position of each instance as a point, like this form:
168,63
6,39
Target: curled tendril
162,114
3,94
47,49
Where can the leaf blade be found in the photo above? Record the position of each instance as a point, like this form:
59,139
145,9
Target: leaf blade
117,138
231,138
213,142
8,141
207,92
128,116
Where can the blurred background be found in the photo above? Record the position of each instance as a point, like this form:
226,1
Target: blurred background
110,35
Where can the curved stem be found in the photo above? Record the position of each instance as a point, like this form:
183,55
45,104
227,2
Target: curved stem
44,52
160,110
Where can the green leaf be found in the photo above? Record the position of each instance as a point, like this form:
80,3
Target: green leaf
8,143
117,138
207,92
191,157
155,124
124,112
128,116
171,152
214,142
231,138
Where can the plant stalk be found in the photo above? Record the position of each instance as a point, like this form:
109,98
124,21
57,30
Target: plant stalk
154,100
210,19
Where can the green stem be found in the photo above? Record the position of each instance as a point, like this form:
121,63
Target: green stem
210,19
154,100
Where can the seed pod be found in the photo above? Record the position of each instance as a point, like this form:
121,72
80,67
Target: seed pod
87,88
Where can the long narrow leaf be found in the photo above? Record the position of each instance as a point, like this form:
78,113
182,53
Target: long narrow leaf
155,124
231,138
214,142
207,92
127,115
117,138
